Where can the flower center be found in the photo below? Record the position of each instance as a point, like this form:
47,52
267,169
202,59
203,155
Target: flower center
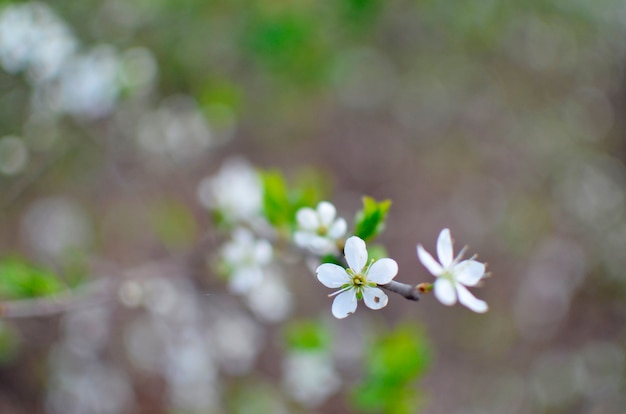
322,230
359,280
449,276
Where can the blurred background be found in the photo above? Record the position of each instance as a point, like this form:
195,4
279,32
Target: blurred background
502,120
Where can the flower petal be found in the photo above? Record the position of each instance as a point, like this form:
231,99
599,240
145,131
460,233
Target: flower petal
263,252
356,253
344,304
307,219
469,272
444,247
338,229
245,279
375,298
466,298
331,275
326,212
429,263
382,271
321,245
303,239
445,292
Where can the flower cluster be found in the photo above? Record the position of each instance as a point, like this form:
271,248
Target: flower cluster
361,280
239,197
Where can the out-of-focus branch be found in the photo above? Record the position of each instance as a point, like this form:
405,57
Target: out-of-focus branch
93,293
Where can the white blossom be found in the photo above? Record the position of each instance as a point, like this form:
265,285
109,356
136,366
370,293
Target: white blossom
319,229
453,274
236,192
358,281
310,377
246,258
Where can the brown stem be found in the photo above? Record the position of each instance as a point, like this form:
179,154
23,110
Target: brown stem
410,292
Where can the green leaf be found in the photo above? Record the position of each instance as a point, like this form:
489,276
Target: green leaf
307,335
276,204
393,365
19,279
280,202
370,221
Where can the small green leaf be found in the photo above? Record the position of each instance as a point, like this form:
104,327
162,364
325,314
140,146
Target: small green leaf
370,221
281,202
19,279
278,209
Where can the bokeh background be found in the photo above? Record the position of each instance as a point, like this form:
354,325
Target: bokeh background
502,120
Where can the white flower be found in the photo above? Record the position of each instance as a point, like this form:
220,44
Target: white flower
319,230
358,281
246,258
453,274
310,377
236,192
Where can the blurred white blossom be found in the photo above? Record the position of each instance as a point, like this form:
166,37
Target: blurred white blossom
246,258
90,83
310,377
271,301
319,229
34,39
236,192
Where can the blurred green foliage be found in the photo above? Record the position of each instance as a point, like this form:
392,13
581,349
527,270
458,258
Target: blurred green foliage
394,364
369,222
19,279
307,335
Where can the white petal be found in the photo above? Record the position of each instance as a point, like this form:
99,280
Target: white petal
444,248
469,272
321,245
245,279
331,275
303,239
326,212
466,298
263,252
429,263
445,292
307,219
356,253
344,304
382,271
375,298
338,229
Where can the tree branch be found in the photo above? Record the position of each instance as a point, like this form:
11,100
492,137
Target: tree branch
410,292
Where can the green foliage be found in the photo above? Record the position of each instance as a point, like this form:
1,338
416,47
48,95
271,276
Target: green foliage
370,221
307,335
280,203
276,203
393,366
19,280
